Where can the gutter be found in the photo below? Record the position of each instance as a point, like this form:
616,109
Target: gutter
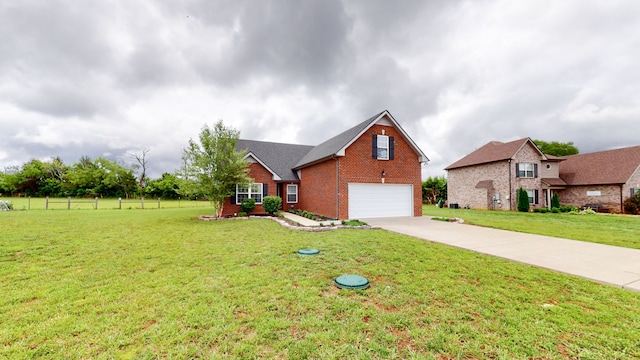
337,188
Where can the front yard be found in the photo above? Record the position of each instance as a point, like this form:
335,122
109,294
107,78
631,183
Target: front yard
161,284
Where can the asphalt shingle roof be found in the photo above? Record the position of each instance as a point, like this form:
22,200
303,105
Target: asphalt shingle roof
333,145
280,158
602,167
493,151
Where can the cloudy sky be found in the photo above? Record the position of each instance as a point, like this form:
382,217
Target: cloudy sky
103,78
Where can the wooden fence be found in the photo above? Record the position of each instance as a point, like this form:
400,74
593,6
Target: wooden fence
95,202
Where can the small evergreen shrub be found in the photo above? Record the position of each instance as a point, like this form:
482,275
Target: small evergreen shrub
247,205
632,205
242,214
271,204
541,210
523,200
555,201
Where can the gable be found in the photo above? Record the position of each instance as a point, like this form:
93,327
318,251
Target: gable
337,145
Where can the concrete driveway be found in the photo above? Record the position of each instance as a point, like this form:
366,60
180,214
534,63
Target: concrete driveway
602,263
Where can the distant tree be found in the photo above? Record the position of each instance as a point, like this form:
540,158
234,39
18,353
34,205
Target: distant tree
142,164
434,189
556,148
213,166
166,187
523,200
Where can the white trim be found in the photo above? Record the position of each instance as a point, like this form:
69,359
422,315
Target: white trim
296,193
249,192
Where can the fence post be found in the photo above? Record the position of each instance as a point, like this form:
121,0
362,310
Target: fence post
29,204
69,203
96,203
158,203
46,204
142,202
120,203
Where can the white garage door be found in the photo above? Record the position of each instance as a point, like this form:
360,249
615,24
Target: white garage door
380,200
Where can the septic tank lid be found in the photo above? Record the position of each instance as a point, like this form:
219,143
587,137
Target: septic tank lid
308,251
351,281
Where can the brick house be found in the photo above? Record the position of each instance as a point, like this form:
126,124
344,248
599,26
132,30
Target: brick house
489,177
370,170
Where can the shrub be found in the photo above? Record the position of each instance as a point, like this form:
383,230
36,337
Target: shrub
523,200
247,205
541,210
568,208
242,214
555,201
271,204
556,210
632,205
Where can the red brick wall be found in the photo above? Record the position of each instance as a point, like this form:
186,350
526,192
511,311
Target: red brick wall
358,166
259,175
317,190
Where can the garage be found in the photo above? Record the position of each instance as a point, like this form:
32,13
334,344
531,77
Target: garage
380,200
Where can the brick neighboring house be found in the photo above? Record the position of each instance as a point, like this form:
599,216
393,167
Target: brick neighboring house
370,170
489,177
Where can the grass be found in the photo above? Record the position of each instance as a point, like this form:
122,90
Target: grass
608,229
161,284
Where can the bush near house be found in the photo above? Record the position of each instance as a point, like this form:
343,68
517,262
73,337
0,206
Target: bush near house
555,201
632,205
247,205
523,200
271,204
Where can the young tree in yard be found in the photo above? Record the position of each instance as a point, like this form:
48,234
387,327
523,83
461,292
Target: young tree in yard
555,201
523,200
212,166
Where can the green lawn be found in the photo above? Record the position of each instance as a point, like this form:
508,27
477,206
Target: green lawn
161,284
609,229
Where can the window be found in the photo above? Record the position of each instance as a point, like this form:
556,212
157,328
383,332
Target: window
527,170
533,196
383,147
292,194
253,191
635,191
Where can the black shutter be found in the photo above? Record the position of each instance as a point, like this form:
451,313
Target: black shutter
632,192
233,197
517,170
535,171
265,189
536,197
374,146
391,147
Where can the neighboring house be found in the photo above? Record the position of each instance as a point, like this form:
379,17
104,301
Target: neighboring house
490,177
370,170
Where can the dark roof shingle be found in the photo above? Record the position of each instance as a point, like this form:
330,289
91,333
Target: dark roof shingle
602,167
280,158
491,152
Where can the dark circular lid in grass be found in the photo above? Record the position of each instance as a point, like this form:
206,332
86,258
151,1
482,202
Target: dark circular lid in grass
308,252
355,282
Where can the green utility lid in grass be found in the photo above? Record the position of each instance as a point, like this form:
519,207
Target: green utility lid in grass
308,252
355,282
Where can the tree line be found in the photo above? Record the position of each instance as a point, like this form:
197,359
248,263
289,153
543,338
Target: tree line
88,177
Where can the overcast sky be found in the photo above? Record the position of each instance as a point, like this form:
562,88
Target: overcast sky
103,78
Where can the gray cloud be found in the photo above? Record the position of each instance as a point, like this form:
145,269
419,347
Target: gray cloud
94,78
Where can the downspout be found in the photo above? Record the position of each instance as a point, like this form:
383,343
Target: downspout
510,193
337,188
